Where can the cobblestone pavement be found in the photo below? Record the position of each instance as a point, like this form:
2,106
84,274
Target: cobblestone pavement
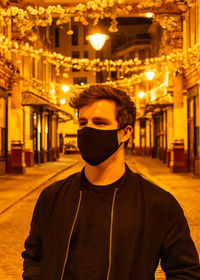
15,221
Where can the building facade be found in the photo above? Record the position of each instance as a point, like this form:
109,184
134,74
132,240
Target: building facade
30,109
167,126
34,121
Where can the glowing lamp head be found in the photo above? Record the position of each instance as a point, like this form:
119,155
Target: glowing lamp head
149,15
141,94
62,101
65,88
150,75
52,91
97,40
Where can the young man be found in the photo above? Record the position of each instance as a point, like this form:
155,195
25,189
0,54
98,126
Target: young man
107,222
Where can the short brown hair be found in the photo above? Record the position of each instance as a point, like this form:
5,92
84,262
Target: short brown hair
126,111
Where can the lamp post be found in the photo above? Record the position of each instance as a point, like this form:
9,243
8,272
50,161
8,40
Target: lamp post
97,41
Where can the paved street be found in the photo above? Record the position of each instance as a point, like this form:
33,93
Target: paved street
14,227
15,219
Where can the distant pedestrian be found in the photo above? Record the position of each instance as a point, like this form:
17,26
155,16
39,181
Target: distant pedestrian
107,222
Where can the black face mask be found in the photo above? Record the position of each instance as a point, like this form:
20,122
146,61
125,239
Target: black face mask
97,145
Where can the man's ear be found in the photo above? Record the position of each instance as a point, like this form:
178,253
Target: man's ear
127,132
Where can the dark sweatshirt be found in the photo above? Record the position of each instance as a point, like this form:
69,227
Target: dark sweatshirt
119,232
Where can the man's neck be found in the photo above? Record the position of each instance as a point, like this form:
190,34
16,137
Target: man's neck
106,173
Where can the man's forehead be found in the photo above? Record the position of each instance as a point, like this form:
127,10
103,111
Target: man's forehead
99,108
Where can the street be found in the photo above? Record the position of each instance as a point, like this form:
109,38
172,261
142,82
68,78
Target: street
14,223
14,228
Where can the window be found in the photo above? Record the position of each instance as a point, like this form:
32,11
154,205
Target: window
75,54
142,54
85,34
80,81
85,55
192,26
131,55
56,37
2,142
33,68
75,35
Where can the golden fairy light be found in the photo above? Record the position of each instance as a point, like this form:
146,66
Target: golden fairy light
30,16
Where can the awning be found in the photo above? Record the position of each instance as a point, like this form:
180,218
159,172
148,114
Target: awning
32,99
155,107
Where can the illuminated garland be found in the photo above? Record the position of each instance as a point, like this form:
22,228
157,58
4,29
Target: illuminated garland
181,59
176,61
25,19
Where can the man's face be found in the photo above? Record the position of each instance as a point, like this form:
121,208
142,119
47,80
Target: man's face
100,114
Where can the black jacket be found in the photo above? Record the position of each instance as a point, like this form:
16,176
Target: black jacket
148,225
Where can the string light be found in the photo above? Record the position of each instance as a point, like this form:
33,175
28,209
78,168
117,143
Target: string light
25,19
175,60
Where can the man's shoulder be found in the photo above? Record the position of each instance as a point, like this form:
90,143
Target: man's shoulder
71,180
152,192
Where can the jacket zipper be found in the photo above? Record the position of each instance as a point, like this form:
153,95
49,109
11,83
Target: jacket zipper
70,236
111,233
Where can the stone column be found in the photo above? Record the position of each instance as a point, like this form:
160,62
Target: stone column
177,157
28,141
137,138
148,136
16,132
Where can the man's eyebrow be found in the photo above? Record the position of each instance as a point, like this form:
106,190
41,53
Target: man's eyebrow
95,119
80,119
101,119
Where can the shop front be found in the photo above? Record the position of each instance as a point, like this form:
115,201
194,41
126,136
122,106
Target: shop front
40,123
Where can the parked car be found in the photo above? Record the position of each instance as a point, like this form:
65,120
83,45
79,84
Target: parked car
70,149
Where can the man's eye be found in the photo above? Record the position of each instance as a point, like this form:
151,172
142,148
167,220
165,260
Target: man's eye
82,123
100,123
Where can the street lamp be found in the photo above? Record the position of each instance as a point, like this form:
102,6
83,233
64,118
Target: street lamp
65,88
149,15
97,40
62,101
141,94
150,75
